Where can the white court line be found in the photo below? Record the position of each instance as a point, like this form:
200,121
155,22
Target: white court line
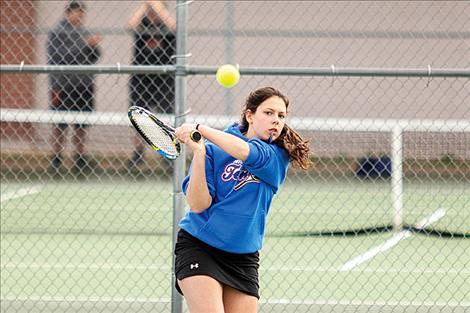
20,193
91,266
366,303
369,303
165,268
85,299
391,242
368,270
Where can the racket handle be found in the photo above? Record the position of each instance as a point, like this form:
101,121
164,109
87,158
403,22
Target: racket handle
195,136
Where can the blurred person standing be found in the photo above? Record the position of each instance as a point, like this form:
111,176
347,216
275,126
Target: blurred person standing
69,43
154,30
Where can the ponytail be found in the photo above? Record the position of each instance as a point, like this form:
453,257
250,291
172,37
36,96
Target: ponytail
296,147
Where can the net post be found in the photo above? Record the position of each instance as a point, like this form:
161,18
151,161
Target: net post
397,176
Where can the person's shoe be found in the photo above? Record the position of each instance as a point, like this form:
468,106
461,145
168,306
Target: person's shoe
56,164
136,159
167,167
82,165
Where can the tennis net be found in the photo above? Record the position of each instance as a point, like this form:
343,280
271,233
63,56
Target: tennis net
348,192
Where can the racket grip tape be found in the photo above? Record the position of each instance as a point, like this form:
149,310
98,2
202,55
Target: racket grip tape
195,136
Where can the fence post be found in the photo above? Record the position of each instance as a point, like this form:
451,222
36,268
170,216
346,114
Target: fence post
179,166
229,48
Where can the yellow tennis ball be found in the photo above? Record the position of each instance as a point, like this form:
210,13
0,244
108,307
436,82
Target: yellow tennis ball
227,75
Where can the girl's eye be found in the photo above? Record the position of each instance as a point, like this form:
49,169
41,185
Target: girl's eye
281,116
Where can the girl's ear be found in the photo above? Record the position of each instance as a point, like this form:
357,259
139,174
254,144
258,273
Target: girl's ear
249,116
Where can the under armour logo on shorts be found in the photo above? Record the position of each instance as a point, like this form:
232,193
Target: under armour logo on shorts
193,266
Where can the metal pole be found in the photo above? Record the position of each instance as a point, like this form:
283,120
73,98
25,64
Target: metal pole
229,49
397,177
338,71
211,70
179,165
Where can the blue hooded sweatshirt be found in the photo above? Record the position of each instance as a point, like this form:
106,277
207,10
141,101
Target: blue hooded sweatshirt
241,195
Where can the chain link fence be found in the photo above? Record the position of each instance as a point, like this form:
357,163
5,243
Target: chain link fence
380,224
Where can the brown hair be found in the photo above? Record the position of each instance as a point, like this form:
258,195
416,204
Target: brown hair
296,147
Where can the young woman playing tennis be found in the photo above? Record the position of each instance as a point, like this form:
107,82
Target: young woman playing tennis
233,177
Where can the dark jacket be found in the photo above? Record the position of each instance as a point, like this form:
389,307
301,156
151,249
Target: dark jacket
147,32
67,45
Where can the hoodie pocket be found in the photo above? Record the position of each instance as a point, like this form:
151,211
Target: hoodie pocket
233,232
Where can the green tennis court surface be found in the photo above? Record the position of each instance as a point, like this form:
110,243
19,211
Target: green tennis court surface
87,246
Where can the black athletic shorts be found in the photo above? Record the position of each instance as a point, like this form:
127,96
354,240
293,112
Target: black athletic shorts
78,98
153,92
194,257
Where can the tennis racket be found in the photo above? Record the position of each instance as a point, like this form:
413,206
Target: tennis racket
159,135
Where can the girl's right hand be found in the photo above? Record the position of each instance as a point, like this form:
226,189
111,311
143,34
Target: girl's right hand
183,134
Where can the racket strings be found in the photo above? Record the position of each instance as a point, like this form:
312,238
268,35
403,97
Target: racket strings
155,134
